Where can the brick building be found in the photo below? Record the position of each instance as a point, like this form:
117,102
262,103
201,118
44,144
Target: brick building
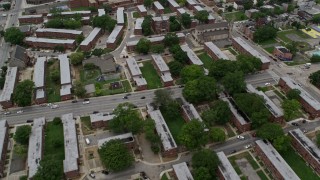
38,1
193,58
120,16
19,58
173,5
71,14
160,24
214,52
83,3
211,19
65,78
50,43
181,11
136,75
162,69
225,169
58,33
142,10
158,8
8,88
39,74
113,38
138,26
127,139
4,140
190,4
100,120
182,172
211,32
189,113
31,19
282,53
90,41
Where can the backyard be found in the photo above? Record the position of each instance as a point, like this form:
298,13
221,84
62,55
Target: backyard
206,59
136,14
235,16
86,125
151,75
53,88
106,88
54,141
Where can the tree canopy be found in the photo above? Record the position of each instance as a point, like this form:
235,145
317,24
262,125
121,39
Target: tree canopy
217,134
79,90
178,54
270,131
22,134
219,114
147,3
248,64
186,20
104,22
202,16
76,58
146,26
234,82
151,136
315,59
174,25
207,159
50,169
219,69
22,94
293,94
315,78
175,68
264,33
202,173
143,46
191,72
171,39
290,108
162,97
192,135
14,36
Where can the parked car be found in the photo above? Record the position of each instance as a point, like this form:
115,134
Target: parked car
125,97
29,121
87,141
294,124
92,175
54,106
7,112
86,102
74,101
234,151
95,112
240,137
248,146
20,111
105,172
143,97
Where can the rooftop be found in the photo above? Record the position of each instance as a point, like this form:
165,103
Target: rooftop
278,162
158,5
65,73
51,41
25,28
152,39
35,145
120,15
20,53
191,2
182,171
65,90
101,12
101,117
181,10
3,131
38,73
73,12
235,112
161,64
68,31
125,138
191,112
133,66
91,36
198,8
213,48
105,63
142,8
31,16
173,3
40,93
140,81
138,24
70,162
114,34
212,26
282,49
9,84
226,168
166,77
191,55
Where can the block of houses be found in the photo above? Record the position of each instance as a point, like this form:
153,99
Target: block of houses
282,53
138,26
105,63
211,32
250,12
273,161
50,43
158,8
71,13
225,169
306,148
308,103
6,100
173,5
58,33
193,58
25,29
113,38
238,4
4,140
31,19
120,16
308,9
126,138
136,74
276,112
190,4
162,69
142,10
90,41
85,20
19,58
65,80
243,47
181,11
189,112
35,148
39,74
211,19
38,1
83,3
100,120
182,172
169,146
71,150
101,12
160,24
214,52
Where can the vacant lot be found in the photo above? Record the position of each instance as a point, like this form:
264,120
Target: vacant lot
151,75
284,35
235,16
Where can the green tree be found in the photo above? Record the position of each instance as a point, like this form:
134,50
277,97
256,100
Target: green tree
55,76
98,52
162,97
126,119
318,139
158,48
192,135
293,94
218,114
172,110
217,134
219,69
22,134
171,39
2,81
202,16
206,158
230,8
151,136
315,59
54,23
282,143
143,46
174,25
264,33
202,173
79,39
107,8
234,82
290,8
49,169
290,108
14,36
248,64
259,3
186,20
76,58
59,48
6,6
247,4
175,68
191,72
146,26
315,78
79,90
259,118
293,47
20,150
277,10
316,19
22,94
147,3
270,131
105,22
115,156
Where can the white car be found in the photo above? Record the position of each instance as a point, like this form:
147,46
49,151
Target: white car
240,137
86,102
248,146
54,106
6,113
19,112
49,104
267,84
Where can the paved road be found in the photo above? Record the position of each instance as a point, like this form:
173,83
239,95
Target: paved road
260,79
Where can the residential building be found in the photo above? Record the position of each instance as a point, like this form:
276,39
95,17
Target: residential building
160,24
71,13
158,8
190,4
58,33
100,120
50,43
136,74
26,29
225,169
65,72
126,138
4,140
114,37
238,4
71,151
142,10
31,19
19,57
211,19
121,3
35,2
194,22
90,41
189,113
162,69
120,16
138,26
8,88
273,161
214,52
250,12
39,80
193,58
169,146
106,63
35,148
308,103
282,53
101,12
83,3
306,148
211,32
173,5
308,10
243,47
182,172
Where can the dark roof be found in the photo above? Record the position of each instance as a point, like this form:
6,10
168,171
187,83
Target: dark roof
105,63
212,26
283,50
19,53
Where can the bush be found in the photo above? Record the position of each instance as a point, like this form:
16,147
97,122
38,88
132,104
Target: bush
57,121
155,148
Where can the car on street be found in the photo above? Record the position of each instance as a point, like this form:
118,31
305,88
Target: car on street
304,121
95,112
92,175
234,151
20,111
29,121
267,84
294,124
7,113
86,101
125,97
143,97
240,137
105,172
248,146
181,86
74,101
49,104
54,106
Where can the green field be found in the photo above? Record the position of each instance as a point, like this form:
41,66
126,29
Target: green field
104,88
283,35
54,141
262,175
235,16
267,42
89,76
136,14
232,51
174,125
206,59
269,49
151,75
167,10
53,89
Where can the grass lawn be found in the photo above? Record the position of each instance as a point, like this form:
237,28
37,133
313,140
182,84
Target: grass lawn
245,155
53,89
136,14
269,41
103,88
299,165
86,125
53,136
151,75
232,160
283,35
164,177
235,16
279,94
126,86
206,59
232,51
269,49
80,9
167,10
89,76
262,175
174,125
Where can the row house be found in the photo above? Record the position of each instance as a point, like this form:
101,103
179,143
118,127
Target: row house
100,120
36,2
127,139
90,41
142,10
122,3
158,8
211,32
120,16
65,78
4,140
160,24
225,169
182,172
214,52
39,80
190,4
6,100
193,58
83,3
162,69
50,43
31,19
136,74
71,13
282,53
211,19
138,26
114,37
181,11
58,33
173,5
189,113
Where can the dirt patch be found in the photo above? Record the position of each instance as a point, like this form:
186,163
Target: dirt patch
26,74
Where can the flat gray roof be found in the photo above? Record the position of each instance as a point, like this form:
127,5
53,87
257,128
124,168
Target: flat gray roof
38,73
65,73
9,84
101,117
181,10
140,81
191,112
272,107
142,8
162,129
306,143
152,39
158,5
73,12
159,61
215,50
182,171
235,112
65,90
166,76
31,16
101,12
133,66
71,153
67,31
226,168
191,2
91,36
138,24
198,8
251,50
173,3
114,34
3,131
51,41
126,138
192,56
35,146
40,93
278,162
304,94
120,15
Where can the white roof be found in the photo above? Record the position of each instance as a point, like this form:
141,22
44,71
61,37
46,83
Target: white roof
65,90
35,146
31,16
138,24
133,67
235,112
91,36
73,12
191,112
182,171
213,48
278,162
127,137
191,2
192,56
39,72
166,76
120,15
159,61
152,39
142,8
65,73
114,35
9,84
71,153
158,5
40,93
3,131
101,117
173,3
198,8
101,12
140,81
51,41
68,31
226,168
181,10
